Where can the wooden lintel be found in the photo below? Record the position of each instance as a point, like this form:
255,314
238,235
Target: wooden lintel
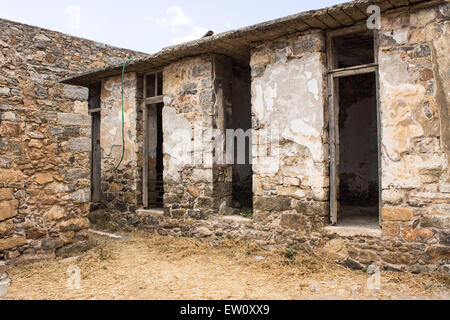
91,111
154,100
343,72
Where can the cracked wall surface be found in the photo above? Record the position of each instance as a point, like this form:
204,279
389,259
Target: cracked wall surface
289,148
122,185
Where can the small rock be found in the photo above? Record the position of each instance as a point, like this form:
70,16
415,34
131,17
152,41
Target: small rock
203,232
259,258
3,291
315,287
3,276
5,282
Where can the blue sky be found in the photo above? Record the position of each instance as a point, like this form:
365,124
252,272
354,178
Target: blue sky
148,26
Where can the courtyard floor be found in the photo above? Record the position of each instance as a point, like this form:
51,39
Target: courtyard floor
162,268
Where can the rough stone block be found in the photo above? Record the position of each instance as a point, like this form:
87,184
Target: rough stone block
6,228
13,242
436,221
74,119
272,203
80,144
6,194
9,175
292,221
336,249
8,209
417,235
391,229
43,178
397,214
76,93
313,208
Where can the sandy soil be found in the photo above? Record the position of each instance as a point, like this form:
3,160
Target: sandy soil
153,267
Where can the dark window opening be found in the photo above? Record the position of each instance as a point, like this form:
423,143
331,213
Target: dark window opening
353,50
358,194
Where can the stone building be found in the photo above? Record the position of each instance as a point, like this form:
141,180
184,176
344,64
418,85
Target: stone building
340,127
45,139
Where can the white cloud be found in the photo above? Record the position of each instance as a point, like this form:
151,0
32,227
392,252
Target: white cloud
177,22
177,17
196,33
174,19
74,17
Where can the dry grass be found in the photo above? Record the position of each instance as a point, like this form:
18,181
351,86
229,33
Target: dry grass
154,267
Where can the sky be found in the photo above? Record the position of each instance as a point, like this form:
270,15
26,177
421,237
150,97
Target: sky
148,26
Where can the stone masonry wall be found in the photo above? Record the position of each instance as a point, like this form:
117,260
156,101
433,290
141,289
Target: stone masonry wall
415,157
290,150
196,96
121,188
291,196
45,139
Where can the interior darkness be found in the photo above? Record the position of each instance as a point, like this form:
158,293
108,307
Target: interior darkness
159,156
354,49
155,143
155,156
151,85
358,150
241,118
152,80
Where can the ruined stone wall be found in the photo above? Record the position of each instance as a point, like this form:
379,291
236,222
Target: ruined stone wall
45,139
290,151
196,97
415,174
121,188
291,196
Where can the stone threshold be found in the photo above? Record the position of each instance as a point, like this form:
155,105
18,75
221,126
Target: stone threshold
354,231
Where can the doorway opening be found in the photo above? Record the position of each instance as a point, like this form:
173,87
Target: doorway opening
358,195
355,180
153,162
241,119
94,109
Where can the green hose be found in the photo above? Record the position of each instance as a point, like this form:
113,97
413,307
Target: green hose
123,117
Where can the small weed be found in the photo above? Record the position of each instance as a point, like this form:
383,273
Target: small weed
290,253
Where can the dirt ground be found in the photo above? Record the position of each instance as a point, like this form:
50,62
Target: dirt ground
163,268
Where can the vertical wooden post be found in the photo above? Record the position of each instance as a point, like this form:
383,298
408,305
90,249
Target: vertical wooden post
379,129
331,62
96,157
145,148
334,150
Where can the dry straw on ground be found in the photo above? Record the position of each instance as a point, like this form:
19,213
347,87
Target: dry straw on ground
154,267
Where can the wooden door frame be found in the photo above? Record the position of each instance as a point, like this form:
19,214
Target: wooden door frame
333,113
146,103
94,109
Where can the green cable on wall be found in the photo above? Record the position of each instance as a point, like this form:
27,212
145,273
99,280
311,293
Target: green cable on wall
123,117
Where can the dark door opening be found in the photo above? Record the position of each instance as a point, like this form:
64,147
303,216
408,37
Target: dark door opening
357,169
153,139
155,156
241,119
